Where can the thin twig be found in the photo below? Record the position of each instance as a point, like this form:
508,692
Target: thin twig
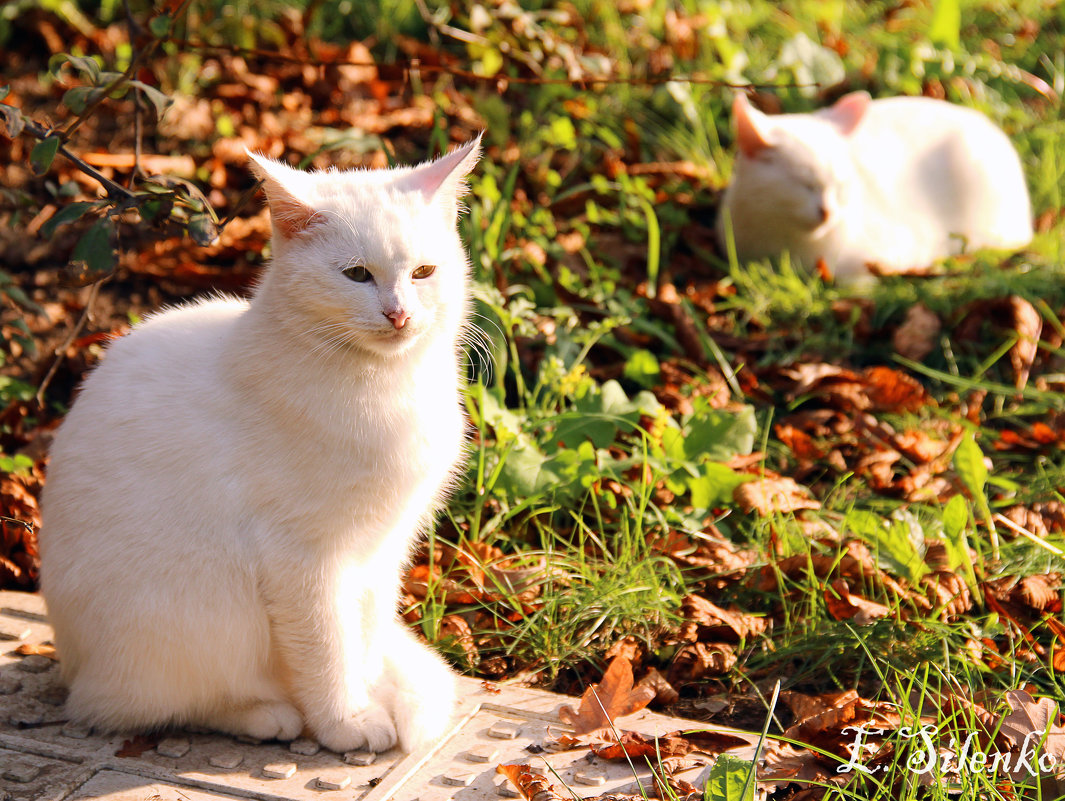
113,190
61,351
242,201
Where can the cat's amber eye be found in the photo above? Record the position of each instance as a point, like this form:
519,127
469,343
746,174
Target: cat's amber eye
424,271
358,274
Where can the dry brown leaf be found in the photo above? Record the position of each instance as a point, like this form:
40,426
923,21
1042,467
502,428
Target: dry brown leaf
37,649
612,698
665,695
948,590
1028,324
454,629
768,496
1030,720
694,661
1038,592
842,605
892,390
533,786
708,621
916,337
141,743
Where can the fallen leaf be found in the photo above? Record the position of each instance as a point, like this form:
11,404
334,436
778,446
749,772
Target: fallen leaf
916,337
612,698
131,749
37,649
1028,324
696,660
665,695
768,496
533,786
842,605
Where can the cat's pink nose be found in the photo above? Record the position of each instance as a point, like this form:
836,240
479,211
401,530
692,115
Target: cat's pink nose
398,317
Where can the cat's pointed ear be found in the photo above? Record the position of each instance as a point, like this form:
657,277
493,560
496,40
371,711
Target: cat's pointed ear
848,111
751,128
290,215
445,178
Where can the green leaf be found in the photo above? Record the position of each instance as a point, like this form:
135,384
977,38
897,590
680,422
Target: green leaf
202,229
945,30
719,435
642,368
78,98
955,518
43,154
68,214
93,257
86,65
159,25
159,101
728,779
715,486
969,464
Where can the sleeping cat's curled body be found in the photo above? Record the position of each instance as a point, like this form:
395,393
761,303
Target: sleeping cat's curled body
894,184
233,495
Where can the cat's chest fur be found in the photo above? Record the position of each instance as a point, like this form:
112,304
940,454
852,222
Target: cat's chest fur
349,450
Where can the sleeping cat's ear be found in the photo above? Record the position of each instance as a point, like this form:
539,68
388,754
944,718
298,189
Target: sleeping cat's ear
290,215
848,111
445,178
751,128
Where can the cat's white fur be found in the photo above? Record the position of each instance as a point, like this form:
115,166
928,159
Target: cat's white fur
232,498
894,183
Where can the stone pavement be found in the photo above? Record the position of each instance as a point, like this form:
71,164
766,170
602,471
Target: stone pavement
42,758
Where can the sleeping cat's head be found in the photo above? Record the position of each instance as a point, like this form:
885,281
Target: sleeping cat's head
369,259
794,170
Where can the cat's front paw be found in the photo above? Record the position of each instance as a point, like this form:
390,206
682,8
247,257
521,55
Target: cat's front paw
424,707
370,729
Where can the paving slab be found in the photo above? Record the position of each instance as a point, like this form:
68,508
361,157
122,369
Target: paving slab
45,758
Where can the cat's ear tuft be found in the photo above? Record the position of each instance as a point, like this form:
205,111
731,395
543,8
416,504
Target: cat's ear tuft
290,215
848,112
445,178
751,127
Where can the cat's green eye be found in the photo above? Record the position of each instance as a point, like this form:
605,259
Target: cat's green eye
358,274
424,271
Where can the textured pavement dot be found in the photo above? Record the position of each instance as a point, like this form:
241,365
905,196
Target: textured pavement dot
481,753
174,747
361,758
226,759
53,696
76,731
504,788
333,780
589,778
26,719
35,663
458,778
504,730
304,747
21,772
279,770
14,631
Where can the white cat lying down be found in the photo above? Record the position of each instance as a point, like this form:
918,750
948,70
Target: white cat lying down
894,184
238,485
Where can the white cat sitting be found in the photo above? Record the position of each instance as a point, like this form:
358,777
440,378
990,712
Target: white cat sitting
890,184
234,494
